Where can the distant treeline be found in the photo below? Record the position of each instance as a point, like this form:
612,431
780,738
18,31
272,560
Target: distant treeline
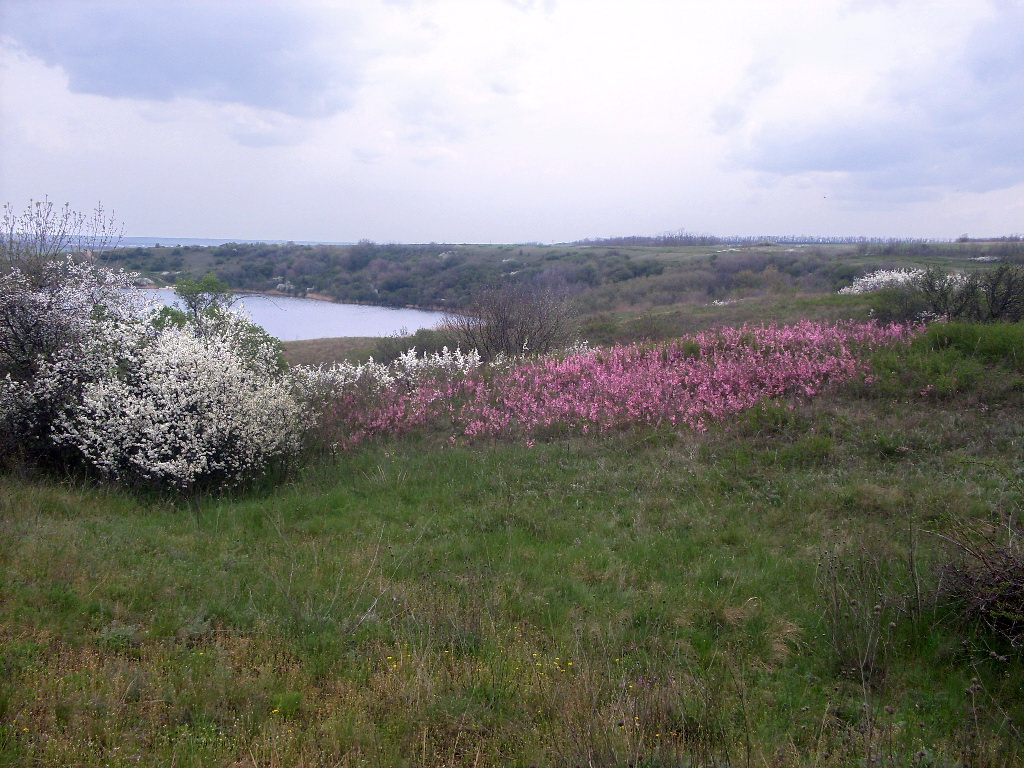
595,276
995,249
392,274
1002,239
682,238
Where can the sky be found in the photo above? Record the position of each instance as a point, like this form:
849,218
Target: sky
518,120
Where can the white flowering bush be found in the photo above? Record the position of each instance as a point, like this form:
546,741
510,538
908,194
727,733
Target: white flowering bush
883,279
184,411
348,397
911,279
923,295
409,368
88,375
47,316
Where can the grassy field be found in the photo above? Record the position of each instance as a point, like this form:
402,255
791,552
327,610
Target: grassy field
769,593
329,351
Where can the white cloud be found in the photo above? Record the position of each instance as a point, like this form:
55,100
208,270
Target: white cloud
946,119
506,120
264,55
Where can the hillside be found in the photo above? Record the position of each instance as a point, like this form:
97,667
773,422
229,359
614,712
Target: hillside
775,590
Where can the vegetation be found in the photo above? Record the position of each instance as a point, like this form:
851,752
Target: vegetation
95,378
597,277
513,319
786,545
771,590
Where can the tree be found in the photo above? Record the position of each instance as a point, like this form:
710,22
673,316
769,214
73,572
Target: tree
513,320
201,297
44,232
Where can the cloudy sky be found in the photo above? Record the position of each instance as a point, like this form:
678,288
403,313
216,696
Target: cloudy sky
518,120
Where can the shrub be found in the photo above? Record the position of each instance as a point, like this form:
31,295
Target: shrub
995,295
882,279
48,315
513,320
88,377
183,411
989,584
987,579
686,383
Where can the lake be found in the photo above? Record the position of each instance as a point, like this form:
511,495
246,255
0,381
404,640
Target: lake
291,319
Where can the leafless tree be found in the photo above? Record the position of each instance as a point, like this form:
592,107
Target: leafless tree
1001,294
513,320
44,231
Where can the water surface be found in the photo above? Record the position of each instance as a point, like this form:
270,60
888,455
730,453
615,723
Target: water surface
291,319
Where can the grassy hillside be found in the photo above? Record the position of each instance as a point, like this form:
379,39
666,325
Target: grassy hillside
774,591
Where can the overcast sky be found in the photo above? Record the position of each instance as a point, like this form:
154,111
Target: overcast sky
518,120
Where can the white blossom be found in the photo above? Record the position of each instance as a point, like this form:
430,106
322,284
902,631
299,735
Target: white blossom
87,371
882,279
409,368
183,410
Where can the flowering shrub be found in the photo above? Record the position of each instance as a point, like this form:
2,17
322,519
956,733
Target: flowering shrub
89,376
994,295
360,400
882,279
47,316
183,410
687,382
690,382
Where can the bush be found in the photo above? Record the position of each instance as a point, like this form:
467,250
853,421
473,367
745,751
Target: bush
988,582
48,315
513,320
995,295
184,411
987,579
89,377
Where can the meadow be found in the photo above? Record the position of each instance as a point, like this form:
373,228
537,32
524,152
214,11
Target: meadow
782,585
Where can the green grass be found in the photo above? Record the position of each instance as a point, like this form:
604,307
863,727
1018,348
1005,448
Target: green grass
329,351
1001,344
767,593
681,319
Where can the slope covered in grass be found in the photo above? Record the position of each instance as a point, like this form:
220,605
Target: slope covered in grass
768,592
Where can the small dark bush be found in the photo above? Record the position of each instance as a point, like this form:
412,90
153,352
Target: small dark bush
988,582
514,319
987,577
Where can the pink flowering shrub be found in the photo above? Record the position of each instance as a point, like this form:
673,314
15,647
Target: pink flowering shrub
360,401
687,383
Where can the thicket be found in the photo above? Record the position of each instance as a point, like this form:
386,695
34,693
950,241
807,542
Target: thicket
94,375
432,275
596,276
982,296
